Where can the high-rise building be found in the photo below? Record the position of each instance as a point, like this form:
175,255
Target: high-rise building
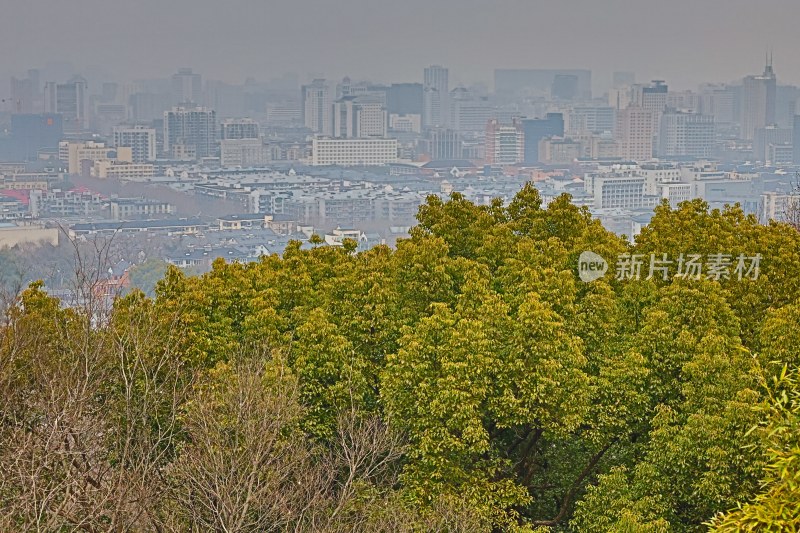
244,153
35,76
623,79
283,113
719,101
190,130
436,93
147,107
518,82
226,99
362,88
187,87
405,123
620,97
317,107
686,135
70,100
239,128
560,150
31,133
758,102
652,97
358,117
765,141
536,129
796,139
22,95
504,143
634,133
445,144
404,99
688,101
371,119
786,98
590,119
469,113
81,155
140,139
565,87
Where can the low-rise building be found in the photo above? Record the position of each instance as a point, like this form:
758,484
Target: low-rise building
14,233
109,169
182,226
139,208
13,205
66,203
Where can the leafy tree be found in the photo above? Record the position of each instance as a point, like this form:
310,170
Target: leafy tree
466,381
146,275
776,506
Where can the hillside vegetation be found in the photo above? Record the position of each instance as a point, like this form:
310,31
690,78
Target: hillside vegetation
465,381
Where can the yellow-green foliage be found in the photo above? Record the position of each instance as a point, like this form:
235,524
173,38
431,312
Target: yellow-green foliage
525,399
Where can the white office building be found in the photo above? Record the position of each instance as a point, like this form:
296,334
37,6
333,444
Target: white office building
140,139
435,97
619,192
356,117
190,130
239,128
244,153
353,152
317,107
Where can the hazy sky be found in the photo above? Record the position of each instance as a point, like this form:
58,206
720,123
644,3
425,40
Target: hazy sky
681,41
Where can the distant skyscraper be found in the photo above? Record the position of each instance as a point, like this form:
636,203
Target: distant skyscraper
359,117
624,79
190,129
69,99
634,133
140,139
187,87
620,97
505,143
565,87
796,139
718,101
536,129
239,128
22,95
686,135
436,94
445,144
766,139
653,98
758,102
404,99
317,107
35,77
226,99
31,133
590,119
469,113
786,98
517,82
147,107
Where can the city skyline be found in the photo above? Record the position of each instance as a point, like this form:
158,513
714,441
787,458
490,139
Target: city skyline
721,41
